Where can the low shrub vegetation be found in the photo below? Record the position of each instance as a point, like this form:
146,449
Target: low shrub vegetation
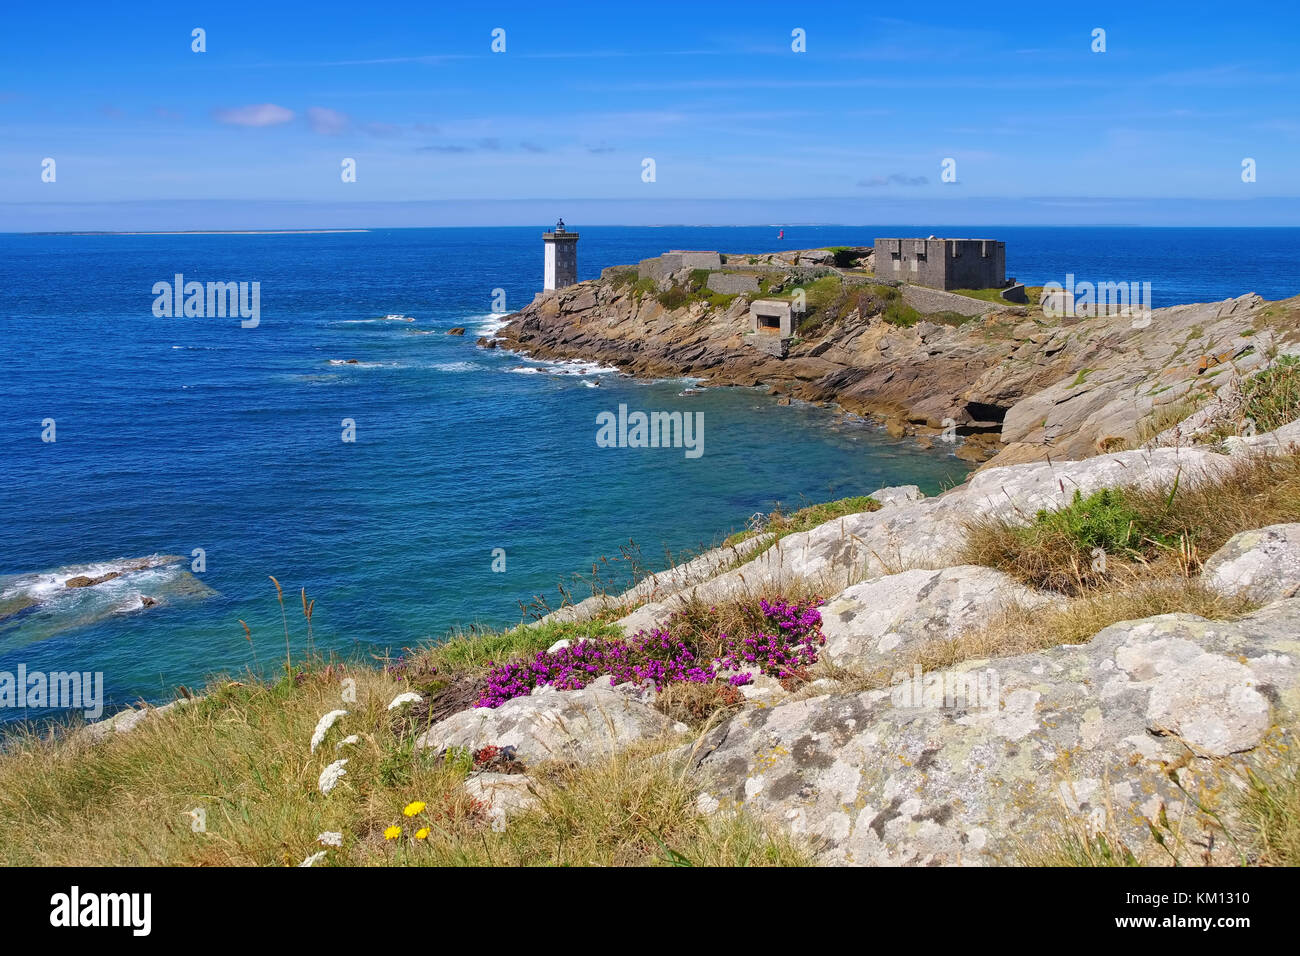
1140,531
1271,397
777,638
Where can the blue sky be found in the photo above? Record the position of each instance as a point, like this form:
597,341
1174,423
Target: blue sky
148,134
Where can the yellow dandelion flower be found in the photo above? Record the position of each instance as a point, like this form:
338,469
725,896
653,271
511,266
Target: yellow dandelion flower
422,833
392,833
413,808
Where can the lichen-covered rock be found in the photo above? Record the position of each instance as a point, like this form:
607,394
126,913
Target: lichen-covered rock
577,725
1263,565
877,622
502,795
897,495
1089,731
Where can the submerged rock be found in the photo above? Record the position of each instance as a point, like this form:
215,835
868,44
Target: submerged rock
135,564
84,581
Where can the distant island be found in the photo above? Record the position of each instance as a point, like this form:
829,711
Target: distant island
205,232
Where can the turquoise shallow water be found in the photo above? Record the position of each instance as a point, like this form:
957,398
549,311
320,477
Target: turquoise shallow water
174,434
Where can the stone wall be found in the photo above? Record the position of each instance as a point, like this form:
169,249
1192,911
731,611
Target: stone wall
732,283
661,267
933,300
774,345
697,260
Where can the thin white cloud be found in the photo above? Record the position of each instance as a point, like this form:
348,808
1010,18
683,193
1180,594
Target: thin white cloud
327,122
893,179
262,114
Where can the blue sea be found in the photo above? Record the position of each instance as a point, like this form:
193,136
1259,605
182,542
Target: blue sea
179,434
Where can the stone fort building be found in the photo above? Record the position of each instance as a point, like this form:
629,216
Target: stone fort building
943,263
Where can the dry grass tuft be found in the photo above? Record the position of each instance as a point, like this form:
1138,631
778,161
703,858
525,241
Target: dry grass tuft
1145,532
1022,630
1270,812
1074,620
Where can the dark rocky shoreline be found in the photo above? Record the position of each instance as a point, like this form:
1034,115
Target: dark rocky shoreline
1012,384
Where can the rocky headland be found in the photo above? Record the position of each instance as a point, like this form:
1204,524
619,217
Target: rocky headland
1013,383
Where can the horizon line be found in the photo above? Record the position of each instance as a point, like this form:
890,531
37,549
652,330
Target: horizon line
341,230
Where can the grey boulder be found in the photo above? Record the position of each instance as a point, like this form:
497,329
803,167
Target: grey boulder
880,621
578,726
1263,565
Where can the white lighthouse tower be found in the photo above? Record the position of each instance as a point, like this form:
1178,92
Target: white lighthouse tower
561,258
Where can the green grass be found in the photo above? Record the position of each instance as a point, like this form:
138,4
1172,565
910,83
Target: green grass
1102,520
810,325
1271,397
986,295
1057,549
674,297
644,287
679,296
1269,809
470,651
805,519
239,754
1163,418
817,294
899,313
